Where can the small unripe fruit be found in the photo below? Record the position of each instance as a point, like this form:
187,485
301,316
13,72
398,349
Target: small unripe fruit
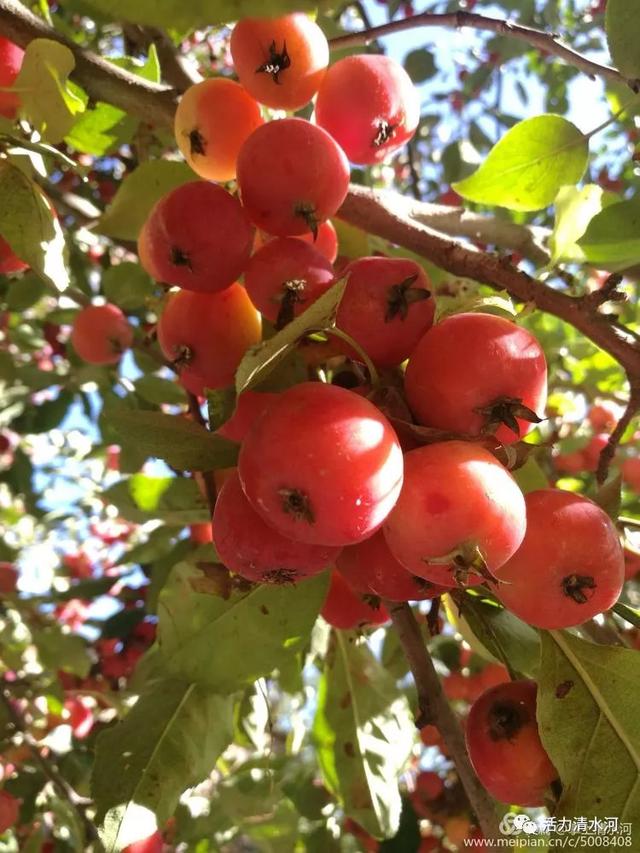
280,61
101,333
212,121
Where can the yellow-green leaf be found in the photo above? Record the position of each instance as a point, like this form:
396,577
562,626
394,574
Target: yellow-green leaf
30,226
527,167
590,726
47,100
622,25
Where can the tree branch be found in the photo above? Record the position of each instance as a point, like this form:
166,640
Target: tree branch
381,215
609,450
63,788
528,240
434,708
546,43
102,80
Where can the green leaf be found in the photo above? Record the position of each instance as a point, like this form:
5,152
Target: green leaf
612,239
527,167
622,25
127,285
363,732
168,742
220,406
181,443
157,390
198,629
59,650
181,15
260,360
505,637
29,224
590,726
420,65
138,193
175,500
575,208
46,98
24,292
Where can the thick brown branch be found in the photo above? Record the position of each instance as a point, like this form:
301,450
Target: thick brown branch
434,708
528,240
368,210
102,80
546,43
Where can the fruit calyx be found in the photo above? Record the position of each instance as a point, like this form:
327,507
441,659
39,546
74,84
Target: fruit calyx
278,62
465,560
296,503
401,296
292,295
280,576
506,719
574,586
505,411
180,258
197,142
386,131
308,212
183,356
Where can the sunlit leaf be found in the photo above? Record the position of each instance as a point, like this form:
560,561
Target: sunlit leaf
527,167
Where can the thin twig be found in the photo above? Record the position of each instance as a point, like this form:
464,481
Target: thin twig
48,767
434,708
546,43
609,450
207,476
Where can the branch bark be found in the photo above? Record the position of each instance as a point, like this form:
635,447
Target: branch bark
381,215
546,43
102,81
434,708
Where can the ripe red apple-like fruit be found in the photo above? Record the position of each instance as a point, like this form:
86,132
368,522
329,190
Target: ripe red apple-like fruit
11,57
478,373
505,747
322,465
101,333
280,61
205,335
292,176
570,565
369,105
212,121
197,237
